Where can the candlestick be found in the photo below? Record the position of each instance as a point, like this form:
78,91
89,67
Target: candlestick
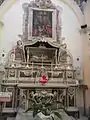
52,70
27,57
42,62
56,59
32,70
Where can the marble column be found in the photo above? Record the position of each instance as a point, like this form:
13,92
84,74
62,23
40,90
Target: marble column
1,77
25,21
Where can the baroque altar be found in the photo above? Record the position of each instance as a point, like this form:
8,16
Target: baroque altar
40,61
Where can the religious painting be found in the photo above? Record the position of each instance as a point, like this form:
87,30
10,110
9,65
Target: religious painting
42,23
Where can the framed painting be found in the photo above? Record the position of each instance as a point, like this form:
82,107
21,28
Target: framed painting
42,23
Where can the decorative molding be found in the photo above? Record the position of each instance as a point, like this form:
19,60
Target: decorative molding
34,25
42,4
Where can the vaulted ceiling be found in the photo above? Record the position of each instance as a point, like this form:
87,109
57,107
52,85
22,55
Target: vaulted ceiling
5,5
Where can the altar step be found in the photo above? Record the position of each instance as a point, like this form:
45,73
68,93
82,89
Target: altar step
9,112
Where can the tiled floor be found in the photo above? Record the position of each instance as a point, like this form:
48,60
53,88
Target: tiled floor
28,116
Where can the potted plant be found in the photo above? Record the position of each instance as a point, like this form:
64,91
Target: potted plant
46,104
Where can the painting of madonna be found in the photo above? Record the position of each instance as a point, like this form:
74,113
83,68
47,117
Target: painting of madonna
42,23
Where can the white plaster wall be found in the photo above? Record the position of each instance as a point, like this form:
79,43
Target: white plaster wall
87,13
79,99
70,29
87,55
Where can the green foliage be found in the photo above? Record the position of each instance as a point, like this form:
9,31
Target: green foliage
47,108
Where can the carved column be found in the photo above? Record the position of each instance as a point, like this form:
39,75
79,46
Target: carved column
25,21
27,101
2,73
27,56
54,25
1,76
71,93
30,24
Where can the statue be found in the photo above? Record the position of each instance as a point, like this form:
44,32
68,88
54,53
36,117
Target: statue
19,55
17,52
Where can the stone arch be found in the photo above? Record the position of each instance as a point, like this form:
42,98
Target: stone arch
70,3
74,7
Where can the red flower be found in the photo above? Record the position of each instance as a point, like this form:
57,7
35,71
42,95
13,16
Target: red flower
44,79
